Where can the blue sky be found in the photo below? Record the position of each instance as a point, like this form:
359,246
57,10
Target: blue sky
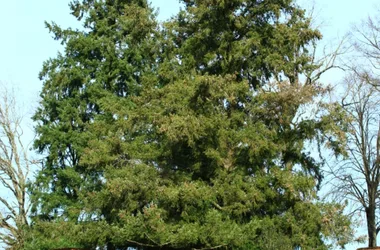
25,43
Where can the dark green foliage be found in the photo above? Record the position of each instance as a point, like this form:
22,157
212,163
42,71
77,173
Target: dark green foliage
99,64
188,135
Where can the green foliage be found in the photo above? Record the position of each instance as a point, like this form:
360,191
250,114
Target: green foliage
99,65
336,225
187,135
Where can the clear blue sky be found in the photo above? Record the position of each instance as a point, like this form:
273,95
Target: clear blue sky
25,43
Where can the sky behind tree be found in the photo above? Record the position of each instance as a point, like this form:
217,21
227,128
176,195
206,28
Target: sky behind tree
25,42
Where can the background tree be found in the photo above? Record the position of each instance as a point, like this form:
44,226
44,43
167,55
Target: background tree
366,39
14,171
187,135
358,176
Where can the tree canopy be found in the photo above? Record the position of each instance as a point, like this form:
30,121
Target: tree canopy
187,134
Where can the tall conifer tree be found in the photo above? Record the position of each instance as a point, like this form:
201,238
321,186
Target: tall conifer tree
187,136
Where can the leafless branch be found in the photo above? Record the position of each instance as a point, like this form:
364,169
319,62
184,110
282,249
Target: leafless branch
14,170
357,178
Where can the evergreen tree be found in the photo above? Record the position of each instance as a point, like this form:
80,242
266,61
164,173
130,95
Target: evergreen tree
103,61
187,136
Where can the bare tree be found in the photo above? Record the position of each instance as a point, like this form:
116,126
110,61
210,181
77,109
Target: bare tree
14,170
366,41
357,177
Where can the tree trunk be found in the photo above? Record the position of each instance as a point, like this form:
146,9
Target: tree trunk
110,246
371,225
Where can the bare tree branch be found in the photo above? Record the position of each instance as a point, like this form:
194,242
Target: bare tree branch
357,177
14,170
